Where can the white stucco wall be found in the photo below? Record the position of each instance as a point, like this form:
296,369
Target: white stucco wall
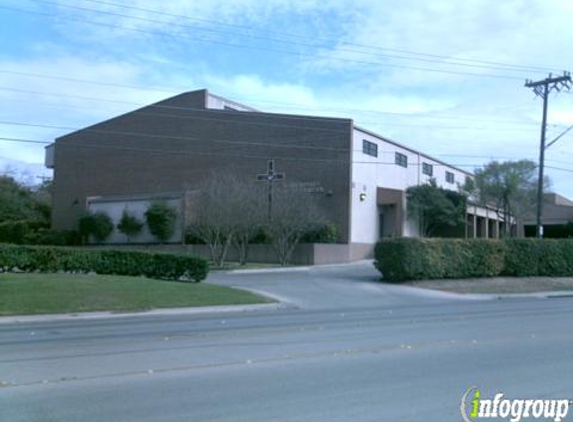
137,207
369,173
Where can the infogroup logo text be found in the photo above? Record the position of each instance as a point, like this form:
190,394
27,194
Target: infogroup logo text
475,408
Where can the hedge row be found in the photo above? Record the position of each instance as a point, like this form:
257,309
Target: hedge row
149,264
31,232
419,259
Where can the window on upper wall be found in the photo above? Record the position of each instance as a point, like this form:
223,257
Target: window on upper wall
401,159
428,169
450,178
369,148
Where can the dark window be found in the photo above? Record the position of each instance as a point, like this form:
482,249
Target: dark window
369,148
450,177
428,169
401,160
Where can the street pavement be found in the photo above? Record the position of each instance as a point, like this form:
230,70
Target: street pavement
348,349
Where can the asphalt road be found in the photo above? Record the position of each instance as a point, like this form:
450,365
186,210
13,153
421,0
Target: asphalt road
366,352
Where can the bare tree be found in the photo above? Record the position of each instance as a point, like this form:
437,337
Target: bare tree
212,216
295,212
227,211
250,216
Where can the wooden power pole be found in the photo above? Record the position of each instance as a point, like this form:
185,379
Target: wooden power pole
542,89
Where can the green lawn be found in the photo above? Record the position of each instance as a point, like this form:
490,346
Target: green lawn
498,285
25,294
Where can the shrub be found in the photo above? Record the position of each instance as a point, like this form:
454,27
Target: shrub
44,236
18,231
160,217
325,233
132,263
192,239
129,225
97,225
417,259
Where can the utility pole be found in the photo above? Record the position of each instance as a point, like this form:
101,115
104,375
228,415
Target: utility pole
542,89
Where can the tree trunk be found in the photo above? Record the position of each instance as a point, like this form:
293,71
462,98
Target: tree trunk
223,252
242,244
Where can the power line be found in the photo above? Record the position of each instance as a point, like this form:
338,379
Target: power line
185,153
266,38
181,138
10,89
234,113
498,157
562,134
241,122
295,53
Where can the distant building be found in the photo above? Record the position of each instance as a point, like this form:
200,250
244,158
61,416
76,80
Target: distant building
168,148
556,218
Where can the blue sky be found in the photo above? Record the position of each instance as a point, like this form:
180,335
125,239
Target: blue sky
443,76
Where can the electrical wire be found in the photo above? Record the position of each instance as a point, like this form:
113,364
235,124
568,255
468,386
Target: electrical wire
416,55
258,48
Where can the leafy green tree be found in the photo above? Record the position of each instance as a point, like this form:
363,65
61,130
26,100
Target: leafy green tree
435,207
160,218
129,225
97,225
509,186
19,202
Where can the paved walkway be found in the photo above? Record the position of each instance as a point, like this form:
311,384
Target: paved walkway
353,285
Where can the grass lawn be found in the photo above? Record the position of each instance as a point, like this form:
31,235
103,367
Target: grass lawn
498,285
26,294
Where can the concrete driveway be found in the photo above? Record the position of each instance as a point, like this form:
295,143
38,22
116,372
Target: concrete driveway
345,286
358,351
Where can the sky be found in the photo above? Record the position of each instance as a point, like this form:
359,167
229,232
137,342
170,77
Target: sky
442,76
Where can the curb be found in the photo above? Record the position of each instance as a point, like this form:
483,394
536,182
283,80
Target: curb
295,269
84,316
536,295
268,270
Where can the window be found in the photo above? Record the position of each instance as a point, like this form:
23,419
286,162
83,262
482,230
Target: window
450,177
369,148
401,160
428,169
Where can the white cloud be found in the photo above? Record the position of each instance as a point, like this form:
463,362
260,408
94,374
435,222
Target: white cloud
436,112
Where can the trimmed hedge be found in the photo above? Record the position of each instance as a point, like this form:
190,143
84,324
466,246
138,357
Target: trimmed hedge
539,257
134,263
419,259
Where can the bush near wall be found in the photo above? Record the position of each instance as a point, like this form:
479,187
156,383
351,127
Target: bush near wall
18,231
418,259
325,233
30,232
53,259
